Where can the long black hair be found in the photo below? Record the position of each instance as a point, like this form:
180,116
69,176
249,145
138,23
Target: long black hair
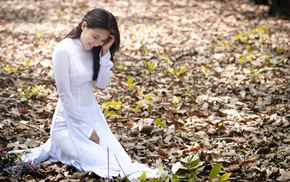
103,19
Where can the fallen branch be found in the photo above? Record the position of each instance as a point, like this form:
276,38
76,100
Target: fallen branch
27,78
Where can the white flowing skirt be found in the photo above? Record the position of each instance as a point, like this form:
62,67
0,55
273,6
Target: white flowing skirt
106,159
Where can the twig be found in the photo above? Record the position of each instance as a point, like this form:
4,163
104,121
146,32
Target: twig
27,78
119,164
3,21
108,162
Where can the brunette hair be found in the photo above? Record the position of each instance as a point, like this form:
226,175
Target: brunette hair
103,19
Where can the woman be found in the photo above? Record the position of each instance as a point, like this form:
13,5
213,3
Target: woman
80,136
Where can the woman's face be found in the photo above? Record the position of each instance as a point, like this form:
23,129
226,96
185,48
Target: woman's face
93,37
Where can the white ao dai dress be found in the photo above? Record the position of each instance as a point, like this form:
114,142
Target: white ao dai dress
78,113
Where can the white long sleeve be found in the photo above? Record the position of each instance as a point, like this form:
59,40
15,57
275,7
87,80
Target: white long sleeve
104,73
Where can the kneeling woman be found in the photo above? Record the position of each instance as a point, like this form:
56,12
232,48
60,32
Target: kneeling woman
80,136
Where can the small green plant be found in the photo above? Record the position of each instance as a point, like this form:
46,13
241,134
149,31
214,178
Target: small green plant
226,45
130,83
148,99
160,123
11,164
150,66
175,99
166,58
275,59
26,64
122,67
193,92
186,169
6,159
180,71
204,68
10,68
37,90
113,106
162,175
214,172
257,72
138,106
248,37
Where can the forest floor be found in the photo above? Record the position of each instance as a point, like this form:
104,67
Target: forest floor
215,73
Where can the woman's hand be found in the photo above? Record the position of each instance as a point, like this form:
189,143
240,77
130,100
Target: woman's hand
95,137
106,46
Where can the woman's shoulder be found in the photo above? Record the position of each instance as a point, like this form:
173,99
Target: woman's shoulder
64,45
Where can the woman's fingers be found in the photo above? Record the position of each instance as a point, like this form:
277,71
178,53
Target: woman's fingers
109,43
95,137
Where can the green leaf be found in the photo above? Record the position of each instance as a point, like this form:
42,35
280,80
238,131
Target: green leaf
262,30
194,164
149,69
160,168
242,58
38,35
158,121
112,113
176,167
137,108
130,81
106,112
205,68
143,176
154,65
121,67
215,170
166,58
275,59
182,174
162,124
185,160
115,104
132,87
147,97
194,158
175,178
224,177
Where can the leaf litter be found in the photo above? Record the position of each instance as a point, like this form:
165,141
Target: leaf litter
215,72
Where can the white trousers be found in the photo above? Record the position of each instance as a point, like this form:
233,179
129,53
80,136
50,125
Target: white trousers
62,139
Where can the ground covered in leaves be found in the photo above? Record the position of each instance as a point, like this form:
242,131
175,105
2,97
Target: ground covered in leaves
214,73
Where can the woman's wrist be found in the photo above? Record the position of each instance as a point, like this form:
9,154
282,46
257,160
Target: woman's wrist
104,51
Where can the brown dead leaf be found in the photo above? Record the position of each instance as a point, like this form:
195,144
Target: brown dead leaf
252,158
78,175
161,152
285,175
24,111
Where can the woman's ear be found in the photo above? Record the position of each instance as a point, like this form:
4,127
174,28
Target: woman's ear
84,25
